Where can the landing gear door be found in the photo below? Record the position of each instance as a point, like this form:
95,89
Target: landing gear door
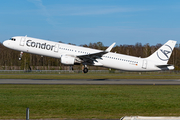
144,65
22,41
56,48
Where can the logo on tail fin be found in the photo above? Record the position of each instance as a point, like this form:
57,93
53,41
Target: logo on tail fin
164,52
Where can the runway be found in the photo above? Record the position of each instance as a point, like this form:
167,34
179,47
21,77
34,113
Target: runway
93,81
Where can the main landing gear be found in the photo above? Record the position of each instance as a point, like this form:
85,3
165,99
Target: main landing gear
71,68
85,70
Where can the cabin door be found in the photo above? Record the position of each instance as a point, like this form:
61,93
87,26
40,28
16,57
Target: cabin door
22,41
144,65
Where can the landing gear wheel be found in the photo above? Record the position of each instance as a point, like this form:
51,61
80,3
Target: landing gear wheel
85,70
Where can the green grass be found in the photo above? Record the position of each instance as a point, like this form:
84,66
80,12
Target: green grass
88,101
123,75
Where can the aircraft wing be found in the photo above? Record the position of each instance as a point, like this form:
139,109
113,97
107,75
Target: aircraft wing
89,58
92,57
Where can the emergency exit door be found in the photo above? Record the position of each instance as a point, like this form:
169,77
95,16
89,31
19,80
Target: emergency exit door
56,48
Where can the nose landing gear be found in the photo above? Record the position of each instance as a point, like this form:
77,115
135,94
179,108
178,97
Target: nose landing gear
21,54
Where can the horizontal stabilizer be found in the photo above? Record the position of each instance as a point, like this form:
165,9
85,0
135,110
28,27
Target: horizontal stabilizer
166,67
163,65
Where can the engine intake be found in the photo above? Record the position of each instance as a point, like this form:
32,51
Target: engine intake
67,60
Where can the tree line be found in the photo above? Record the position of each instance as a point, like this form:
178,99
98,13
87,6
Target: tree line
10,58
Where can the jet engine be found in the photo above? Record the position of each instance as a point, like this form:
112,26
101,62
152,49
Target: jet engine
67,60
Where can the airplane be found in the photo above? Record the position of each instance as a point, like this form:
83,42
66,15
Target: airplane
71,55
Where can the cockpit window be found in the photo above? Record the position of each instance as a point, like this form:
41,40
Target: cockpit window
13,39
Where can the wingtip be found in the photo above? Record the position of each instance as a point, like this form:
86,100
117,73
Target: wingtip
110,47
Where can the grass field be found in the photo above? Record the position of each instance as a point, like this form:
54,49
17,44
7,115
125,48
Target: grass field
70,75
88,101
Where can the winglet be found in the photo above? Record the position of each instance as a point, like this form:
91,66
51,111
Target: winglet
110,47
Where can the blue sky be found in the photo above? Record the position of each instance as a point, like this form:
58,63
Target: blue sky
84,21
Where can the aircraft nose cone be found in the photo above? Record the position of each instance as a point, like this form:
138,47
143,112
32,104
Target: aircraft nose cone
6,43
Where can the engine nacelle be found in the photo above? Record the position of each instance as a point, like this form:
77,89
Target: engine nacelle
67,60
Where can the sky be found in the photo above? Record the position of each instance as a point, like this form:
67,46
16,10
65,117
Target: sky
90,21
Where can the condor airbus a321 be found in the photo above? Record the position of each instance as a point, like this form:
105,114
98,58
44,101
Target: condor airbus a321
70,55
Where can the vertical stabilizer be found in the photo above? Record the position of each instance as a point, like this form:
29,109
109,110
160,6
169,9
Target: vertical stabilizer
162,55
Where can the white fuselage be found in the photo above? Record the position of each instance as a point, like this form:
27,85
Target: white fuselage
56,50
